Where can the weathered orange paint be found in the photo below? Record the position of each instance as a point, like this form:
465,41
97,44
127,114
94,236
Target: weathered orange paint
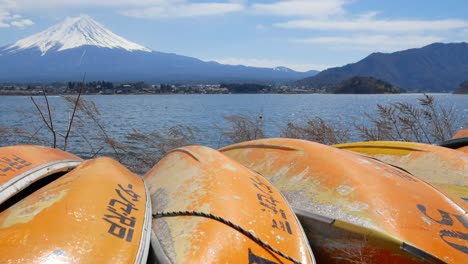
463,149
23,165
374,210
27,158
201,179
65,221
461,134
443,167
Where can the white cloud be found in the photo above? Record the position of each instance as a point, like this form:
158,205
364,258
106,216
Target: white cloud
386,43
9,17
185,10
22,23
371,33
44,4
377,25
271,63
304,8
142,8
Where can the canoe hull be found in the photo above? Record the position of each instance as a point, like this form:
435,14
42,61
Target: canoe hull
205,206
98,213
445,168
355,197
23,165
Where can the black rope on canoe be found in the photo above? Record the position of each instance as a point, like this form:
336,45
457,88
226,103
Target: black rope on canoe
392,165
230,224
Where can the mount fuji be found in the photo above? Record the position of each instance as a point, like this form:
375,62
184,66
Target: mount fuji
79,45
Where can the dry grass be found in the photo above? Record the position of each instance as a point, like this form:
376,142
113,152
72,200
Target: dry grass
244,128
426,122
317,130
140,151
143,150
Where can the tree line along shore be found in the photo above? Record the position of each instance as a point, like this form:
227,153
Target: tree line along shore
354,85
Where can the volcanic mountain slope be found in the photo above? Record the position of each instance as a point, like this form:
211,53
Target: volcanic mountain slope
81,45
434,68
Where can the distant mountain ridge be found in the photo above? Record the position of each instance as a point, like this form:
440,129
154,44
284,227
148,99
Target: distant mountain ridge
81,45
437,67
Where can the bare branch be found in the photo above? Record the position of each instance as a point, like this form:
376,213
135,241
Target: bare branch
54,134
70,123
49,126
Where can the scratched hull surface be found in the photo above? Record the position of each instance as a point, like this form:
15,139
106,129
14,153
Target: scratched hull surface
355,209
203,180
445,168
97,213
21,166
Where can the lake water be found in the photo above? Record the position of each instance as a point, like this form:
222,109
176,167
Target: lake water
121,114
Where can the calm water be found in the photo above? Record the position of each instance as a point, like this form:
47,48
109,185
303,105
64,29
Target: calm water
146,113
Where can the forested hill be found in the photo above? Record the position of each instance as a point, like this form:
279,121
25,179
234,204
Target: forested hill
364,85
463,89
434,68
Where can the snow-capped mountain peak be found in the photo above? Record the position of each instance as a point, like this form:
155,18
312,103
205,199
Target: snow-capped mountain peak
72,33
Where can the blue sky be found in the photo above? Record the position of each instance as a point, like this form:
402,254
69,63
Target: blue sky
300,34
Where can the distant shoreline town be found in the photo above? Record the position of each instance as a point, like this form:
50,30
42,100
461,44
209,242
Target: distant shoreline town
135,88
354,85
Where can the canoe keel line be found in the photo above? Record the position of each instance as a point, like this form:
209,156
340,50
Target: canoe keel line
230,224
208,208
444,168
356,209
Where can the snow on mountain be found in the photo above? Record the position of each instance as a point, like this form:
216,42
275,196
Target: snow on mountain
80,45
282,69
72,33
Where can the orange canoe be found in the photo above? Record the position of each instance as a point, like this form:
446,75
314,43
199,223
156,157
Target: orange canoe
97,213
445,168
461,134
208,208
23,165
355,209
459,141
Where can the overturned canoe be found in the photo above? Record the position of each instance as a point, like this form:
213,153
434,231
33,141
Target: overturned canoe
23,165
460,144
445,168
463,133
210,209
459,141
97,213
355,209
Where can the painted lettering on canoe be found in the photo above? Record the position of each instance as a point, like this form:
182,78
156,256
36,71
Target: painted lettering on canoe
120,211
269,203
12,164
254,259
455,239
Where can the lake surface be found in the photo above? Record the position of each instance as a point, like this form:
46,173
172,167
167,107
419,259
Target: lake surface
122,114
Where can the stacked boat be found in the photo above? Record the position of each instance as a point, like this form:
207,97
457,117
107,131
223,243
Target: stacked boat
357,209
57,208
263,201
